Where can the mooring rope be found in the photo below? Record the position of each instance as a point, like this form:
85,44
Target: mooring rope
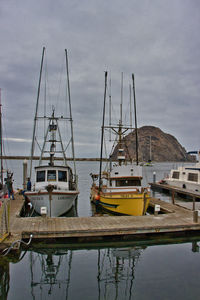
16,242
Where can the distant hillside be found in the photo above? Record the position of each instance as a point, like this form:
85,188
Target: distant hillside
163,146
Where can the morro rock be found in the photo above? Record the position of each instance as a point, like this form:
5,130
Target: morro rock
154,145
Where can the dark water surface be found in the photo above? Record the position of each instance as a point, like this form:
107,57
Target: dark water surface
115,271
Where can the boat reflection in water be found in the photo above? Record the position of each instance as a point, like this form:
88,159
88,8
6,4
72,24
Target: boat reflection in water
52,270
116,269
57,272
4,278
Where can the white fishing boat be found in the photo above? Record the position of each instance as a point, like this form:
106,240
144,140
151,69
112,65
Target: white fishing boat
187,176
55,188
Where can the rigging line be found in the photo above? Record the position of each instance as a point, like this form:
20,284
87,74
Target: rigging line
59,84
38,144
68,145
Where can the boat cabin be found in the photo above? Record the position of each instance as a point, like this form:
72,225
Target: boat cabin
125,176
186,174
58,176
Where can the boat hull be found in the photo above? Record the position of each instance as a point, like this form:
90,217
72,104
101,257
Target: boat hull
57,203
125,204
195,187
122,203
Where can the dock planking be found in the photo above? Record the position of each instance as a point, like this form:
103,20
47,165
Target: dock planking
177,220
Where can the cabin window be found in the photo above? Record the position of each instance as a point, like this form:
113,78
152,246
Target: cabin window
193,177
128,182
40,176
62,176
51,175
175,175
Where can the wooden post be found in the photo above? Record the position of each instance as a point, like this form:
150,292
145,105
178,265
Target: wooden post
173,199
193,204
24,173
195,216
154,177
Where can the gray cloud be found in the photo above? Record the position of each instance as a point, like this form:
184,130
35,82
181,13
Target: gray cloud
157,40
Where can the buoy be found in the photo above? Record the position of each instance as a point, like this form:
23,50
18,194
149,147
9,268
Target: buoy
97,197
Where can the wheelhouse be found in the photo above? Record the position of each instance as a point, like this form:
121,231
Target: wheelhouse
52,175
58,176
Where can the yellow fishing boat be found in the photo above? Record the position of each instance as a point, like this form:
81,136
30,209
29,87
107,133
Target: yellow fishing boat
120,189
123,192
134,204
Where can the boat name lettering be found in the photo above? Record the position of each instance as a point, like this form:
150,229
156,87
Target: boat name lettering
37,198
62,197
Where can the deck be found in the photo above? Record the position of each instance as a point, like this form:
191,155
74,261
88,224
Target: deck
175,221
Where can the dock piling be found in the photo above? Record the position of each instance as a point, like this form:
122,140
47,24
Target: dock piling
24,173
154,177
195,216
156,209
193,204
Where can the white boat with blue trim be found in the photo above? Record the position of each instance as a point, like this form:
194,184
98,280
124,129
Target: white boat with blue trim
55,189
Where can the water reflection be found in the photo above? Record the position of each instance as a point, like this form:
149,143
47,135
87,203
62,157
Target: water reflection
4,279
116,268
50,271
57,271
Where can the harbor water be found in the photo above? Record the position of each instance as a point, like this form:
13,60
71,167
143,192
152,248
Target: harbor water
132,270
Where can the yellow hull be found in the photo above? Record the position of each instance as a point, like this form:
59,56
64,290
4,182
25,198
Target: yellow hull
134,204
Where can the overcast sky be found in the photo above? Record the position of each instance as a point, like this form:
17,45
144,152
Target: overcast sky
157,40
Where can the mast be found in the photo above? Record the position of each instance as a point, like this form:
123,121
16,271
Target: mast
120,122
121,98
102,130
70,111
36,111
110,110
1,140
136,131
130,105
150,149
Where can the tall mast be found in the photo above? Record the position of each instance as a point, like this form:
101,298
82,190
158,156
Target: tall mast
36,111
130,106
120,121
110,111
70,111
1,140
121,98
136,131
102,130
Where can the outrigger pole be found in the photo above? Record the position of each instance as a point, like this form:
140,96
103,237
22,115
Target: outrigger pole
102,130
36,111
136,131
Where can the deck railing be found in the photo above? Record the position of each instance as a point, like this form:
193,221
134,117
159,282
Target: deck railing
4,218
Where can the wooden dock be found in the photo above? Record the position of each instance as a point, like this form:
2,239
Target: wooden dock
192,195
173,221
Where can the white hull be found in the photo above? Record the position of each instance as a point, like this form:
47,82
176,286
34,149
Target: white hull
195,187
57,206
